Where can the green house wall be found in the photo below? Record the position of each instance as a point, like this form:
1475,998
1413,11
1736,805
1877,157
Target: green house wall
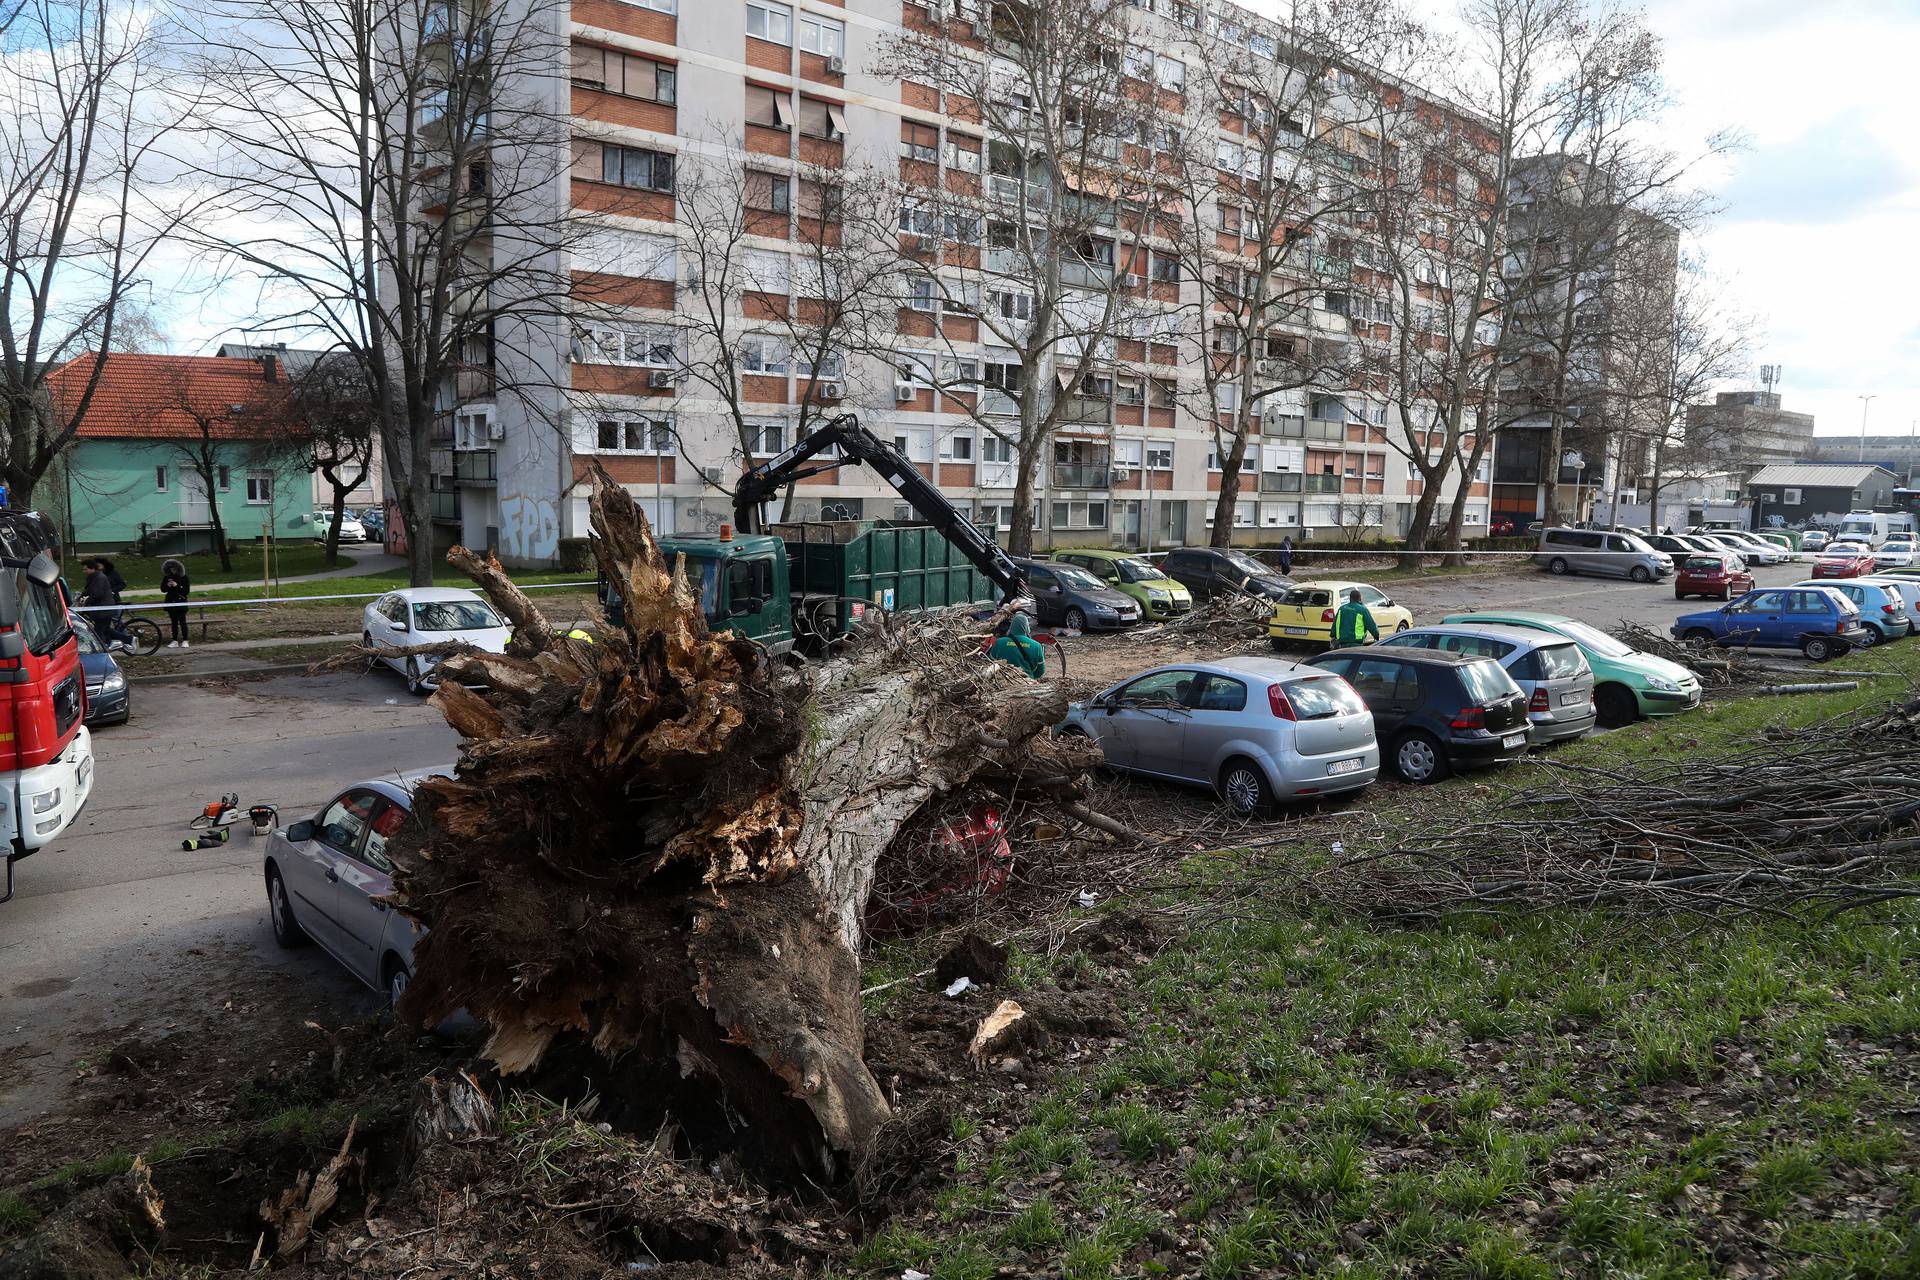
109,492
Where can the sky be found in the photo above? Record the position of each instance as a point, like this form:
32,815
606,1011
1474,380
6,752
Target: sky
1820,234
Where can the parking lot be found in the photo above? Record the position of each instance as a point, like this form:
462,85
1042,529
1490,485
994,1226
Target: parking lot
116,929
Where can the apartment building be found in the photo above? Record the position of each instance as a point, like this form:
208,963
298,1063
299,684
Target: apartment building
654,87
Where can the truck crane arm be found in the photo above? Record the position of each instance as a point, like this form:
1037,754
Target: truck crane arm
857,444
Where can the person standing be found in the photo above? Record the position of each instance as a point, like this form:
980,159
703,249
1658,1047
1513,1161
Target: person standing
175,586
1286,555
1019,649
97,595
1353,622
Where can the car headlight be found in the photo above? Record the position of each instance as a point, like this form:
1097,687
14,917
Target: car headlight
1155,593
1663,684
47,802
114,683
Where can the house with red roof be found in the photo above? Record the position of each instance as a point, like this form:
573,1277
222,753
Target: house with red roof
168,441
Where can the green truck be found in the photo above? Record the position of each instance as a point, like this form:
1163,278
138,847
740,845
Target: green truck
802,584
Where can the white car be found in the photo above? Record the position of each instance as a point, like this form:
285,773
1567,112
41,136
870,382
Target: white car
1896,552
430,615
351,530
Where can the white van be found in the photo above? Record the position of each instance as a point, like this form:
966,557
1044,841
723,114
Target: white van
1871,527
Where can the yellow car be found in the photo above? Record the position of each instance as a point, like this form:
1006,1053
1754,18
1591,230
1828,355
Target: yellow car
1305,614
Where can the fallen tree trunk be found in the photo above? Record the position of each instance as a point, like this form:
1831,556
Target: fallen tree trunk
657,845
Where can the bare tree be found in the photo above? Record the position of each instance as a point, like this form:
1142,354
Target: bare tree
1029,231
1269,222
325,417
78,217
225,433
750,317
389,168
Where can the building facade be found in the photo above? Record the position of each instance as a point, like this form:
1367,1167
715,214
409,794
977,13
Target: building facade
1748,430
1898,454
1800,494
655,87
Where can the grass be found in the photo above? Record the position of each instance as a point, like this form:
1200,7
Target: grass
1568,1094
291,559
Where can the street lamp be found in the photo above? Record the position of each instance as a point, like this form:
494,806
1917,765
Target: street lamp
1865,401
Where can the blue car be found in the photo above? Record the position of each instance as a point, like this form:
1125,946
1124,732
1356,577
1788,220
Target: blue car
1883,609
1818,621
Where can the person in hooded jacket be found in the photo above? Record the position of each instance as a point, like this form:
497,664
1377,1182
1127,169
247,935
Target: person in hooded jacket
1017,648
175,587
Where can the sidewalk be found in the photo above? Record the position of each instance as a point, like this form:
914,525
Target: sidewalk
365,560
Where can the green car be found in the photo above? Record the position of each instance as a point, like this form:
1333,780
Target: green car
1160,597
1627,684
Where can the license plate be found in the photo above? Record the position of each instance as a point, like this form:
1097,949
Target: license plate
86,772
1514,740
1570,699
1345,766
1294,631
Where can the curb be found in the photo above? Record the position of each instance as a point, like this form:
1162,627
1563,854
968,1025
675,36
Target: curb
182,677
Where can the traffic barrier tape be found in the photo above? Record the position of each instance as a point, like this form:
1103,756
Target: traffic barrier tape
136,606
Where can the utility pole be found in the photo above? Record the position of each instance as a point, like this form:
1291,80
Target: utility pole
1865,403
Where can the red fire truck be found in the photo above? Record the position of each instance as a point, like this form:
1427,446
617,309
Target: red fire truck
46,753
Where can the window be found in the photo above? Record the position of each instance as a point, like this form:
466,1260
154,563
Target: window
822,119
623,73
223,478
766,271
1170,73
634,435
823,36
770,21
259,488
914,368
963,153
1011,304
1165,268
159,479
957,448
636,167
923,293
345,821
644,346
1231,216
831,365
769,192
1791,497
1130,391
1159,455
1079,515
769,108
767,439
1160,394
995,448
762,354
920,142
659,6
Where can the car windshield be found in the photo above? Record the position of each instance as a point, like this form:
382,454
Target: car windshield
1245,563
1593,638
1131,570
1560,661
1078,579
1487,680
1323,698
1705,562
454,615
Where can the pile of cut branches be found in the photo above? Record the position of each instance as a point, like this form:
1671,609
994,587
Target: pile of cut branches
1824,818
654,856
1223,619
1717,668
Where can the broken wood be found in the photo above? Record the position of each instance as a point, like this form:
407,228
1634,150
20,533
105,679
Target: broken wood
657,846
300,1206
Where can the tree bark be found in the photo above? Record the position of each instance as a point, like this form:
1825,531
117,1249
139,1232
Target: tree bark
657,847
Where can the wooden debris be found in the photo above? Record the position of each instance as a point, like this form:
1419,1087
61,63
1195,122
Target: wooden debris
300,1206
997,1030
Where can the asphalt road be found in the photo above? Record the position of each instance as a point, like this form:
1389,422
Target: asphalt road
116,927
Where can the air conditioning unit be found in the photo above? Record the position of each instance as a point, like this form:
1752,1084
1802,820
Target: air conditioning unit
1130,280
903,391
496,429
829,390
836,66
660,379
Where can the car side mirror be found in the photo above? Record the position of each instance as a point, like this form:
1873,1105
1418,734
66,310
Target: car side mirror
300,832
12,645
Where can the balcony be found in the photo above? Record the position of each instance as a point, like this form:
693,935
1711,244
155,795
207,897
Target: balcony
1086,409
1325,429
476,467
1087,275
1008,189
1082,475
1280,481
444,505
1320,484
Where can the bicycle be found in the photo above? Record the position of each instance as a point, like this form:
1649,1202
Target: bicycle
143,636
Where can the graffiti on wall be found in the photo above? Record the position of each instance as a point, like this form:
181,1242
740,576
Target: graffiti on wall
529,528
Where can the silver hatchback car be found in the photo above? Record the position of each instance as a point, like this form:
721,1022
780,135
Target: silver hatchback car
1254,729
327,874
1549,669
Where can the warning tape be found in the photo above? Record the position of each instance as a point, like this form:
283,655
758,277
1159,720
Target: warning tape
134,606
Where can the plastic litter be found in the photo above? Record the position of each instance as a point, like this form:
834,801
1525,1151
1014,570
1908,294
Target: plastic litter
911,1274
1087,897
1339,847
960,985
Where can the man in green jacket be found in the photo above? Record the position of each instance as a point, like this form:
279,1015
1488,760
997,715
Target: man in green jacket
1020,650
1352,622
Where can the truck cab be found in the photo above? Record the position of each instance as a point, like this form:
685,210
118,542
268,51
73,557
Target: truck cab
741,580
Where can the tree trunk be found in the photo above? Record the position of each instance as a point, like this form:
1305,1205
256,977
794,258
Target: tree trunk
333,528
1421,524
657,847
1026,462
210,477
1223,505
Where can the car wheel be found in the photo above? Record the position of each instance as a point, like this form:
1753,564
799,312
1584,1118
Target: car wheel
1640,573
1817,648
1874,636
1697,635
1556,565
1402,627
415,684
395,980
1244,787
286,930
1418,759
1616,706
1076,620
